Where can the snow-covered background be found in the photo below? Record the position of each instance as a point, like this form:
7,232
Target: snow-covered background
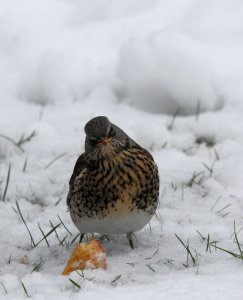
170,73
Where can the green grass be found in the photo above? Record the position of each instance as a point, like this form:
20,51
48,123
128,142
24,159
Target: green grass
42,232
25,290
209,141
223,211
195,179
83,276
64,225
21,141
74,239
198,109
4,287
131,264
74,283
53,229
214,244
54,160
48,234
171,123
116,278
149,266
193,258
238,243
32,242
38,266
210,168
25,139
9,259
6,184
25,165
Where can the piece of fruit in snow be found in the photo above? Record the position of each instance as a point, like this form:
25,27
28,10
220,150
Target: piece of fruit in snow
88,255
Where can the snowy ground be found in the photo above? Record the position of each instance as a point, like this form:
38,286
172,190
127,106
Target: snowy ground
141,63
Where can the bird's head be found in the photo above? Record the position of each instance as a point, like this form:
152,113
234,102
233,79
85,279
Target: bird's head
102,134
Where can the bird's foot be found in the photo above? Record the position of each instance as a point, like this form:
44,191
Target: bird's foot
81,238
131,237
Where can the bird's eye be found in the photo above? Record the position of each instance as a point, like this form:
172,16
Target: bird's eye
111,132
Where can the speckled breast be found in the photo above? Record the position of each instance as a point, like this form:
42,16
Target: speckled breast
121,192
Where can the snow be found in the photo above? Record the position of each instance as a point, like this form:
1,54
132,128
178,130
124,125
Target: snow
139,63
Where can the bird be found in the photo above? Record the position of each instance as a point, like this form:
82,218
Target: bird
114,187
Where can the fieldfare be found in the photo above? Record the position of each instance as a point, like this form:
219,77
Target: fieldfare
114,188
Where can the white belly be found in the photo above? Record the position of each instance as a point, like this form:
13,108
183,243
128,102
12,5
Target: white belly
113,224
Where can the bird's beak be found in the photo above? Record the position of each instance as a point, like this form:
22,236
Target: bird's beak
106,140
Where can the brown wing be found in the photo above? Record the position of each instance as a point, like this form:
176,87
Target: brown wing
80,165
144,150
132,144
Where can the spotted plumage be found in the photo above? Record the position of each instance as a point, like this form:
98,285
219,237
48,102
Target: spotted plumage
114,187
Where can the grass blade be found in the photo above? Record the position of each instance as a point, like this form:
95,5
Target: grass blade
57,236
82,276
63,240
172,122
225,250
49,233
12,141
4,287
43,235
74,283
38,266
208,244
74,239
188,250
195,176
9,259
7,183
25,165
202,237
116,278
25,290
237,242
22,218
222,212
64,225
26,139
55,159
149,266
198,109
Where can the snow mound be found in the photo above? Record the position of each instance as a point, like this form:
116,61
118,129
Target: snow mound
167,72
60,77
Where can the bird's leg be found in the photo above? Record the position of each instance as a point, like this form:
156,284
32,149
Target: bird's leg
81,237
130,236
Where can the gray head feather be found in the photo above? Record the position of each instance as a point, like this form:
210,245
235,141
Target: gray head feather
97,128
100,127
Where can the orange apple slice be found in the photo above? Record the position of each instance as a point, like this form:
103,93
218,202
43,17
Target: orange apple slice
88,255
